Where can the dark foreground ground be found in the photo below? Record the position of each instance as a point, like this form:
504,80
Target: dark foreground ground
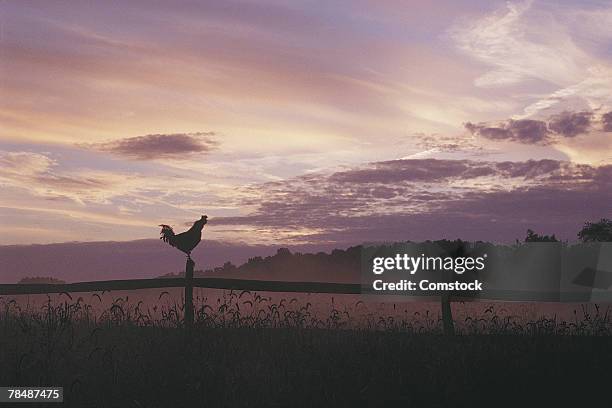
250,351
264,367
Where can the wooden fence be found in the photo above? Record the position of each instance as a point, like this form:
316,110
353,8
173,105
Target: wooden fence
213,283
189,282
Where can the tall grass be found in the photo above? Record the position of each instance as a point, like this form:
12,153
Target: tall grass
246,350
246,309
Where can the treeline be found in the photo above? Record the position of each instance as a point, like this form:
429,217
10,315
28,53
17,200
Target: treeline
341,265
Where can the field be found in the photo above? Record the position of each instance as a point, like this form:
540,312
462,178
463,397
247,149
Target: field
248,350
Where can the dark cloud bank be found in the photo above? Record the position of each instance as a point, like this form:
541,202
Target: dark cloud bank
530,131
159,146
434,199
607,122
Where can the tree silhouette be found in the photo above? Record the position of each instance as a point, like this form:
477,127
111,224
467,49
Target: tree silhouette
600,231
535,237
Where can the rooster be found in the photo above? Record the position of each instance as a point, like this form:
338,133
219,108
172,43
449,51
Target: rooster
185,241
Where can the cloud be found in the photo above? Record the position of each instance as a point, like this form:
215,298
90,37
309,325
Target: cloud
570,124
422,199
519,43
159,146
436,170
606,120
440,143
38,169
61,187
415,170
523,131
559,52
38,173
566,124
393,171
532,169
24,163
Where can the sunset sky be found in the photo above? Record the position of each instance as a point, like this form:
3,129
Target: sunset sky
304,121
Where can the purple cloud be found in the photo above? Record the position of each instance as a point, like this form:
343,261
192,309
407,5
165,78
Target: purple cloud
422,170
445,143
377,204
159,146
570,124
529,169
565,124
434,170
523,131
498,216
606,120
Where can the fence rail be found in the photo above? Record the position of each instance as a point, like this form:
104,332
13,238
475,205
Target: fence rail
213,283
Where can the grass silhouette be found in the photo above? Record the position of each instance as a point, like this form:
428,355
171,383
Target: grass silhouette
246,350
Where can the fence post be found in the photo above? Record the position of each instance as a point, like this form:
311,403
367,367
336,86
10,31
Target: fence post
447,315
189,293
445,298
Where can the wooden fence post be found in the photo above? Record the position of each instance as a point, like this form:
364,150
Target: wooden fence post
445,298
447,315
189,293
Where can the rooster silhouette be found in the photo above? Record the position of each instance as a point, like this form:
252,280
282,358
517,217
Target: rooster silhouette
185,241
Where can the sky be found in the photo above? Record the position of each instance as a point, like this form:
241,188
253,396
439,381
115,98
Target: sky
304,122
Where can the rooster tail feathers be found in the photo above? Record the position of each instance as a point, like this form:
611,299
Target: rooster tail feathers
166,233
166,229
